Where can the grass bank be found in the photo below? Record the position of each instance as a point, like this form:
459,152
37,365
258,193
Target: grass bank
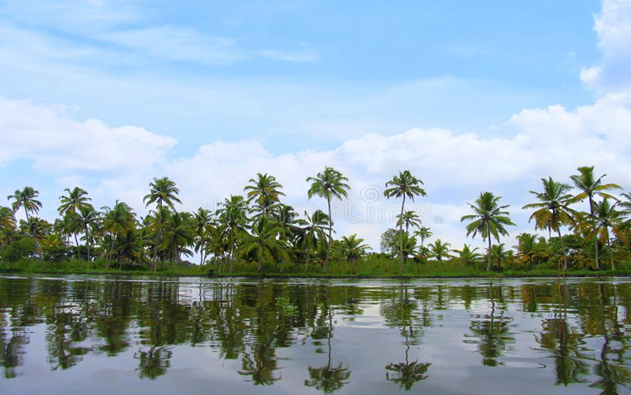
384,269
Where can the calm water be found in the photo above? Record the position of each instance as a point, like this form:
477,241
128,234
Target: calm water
101,335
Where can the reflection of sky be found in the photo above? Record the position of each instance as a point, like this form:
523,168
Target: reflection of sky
364,344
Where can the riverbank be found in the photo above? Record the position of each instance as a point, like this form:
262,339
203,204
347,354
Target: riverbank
196,272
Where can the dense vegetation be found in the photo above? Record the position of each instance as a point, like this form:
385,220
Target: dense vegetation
258,233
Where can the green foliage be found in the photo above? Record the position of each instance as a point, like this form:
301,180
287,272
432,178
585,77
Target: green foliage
22,248
259,234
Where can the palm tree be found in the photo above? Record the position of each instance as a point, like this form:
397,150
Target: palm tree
232,214
590,186
353,247
264,191
286,217
76,200
423,233
88,218
440,250
500,254
162,191
7,225
404,185
553,210
467,255
409,218
27,199
314,230
606,217
263,244
527,247
328,185
203,220
117,221
179,233
409,246
489,220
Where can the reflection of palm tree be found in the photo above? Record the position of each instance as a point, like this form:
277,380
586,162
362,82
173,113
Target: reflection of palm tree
558,337
260,365
154,362
328,378
612,373
407,373
492,332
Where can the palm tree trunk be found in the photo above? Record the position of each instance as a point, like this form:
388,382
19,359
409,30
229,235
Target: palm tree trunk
76,243
591,214
401,231
328,249
488,265
87,242
563,250
201,258
231,257
109,256
613,265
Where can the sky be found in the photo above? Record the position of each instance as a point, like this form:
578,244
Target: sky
468,96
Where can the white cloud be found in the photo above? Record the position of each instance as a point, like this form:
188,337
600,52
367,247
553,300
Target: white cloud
613,26
57,143
508,160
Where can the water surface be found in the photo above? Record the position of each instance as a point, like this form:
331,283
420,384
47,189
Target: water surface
103,335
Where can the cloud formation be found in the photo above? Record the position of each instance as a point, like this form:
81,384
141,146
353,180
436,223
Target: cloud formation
613,27
508,159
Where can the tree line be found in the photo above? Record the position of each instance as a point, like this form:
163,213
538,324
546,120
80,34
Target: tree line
256,228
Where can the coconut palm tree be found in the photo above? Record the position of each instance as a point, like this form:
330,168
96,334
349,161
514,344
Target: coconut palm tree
527,247
7,225
27,199
263,244
607,219
440,250
162,191
88,218
76,199
590,186
423,233
179,233
404,185
117,221
203,222
232,215
264,191
409,218
353,247
155,224
489,220
500,254
468,256
553,210
329,184
286,217
313,231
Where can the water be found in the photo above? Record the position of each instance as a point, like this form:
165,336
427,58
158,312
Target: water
103,335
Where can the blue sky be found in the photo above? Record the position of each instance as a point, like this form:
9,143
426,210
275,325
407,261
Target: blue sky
169,87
